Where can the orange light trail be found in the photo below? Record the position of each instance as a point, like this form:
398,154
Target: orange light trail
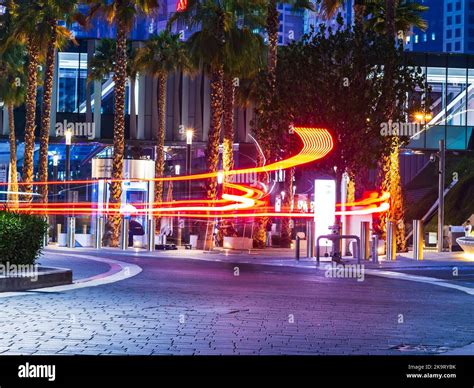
317,143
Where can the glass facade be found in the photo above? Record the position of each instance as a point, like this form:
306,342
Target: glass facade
450,86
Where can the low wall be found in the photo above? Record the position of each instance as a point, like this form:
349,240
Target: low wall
46,277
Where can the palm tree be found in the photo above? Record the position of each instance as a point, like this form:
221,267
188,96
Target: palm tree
244,60
400,16
162,55
261,134
56,10
272,26
28,27
330,7
122,14
207,47
102,65
12,93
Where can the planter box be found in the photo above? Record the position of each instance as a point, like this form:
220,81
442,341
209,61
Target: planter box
241,243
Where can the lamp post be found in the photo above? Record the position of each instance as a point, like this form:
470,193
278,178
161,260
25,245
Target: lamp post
71,220
189,144
55,191
441,182
68,137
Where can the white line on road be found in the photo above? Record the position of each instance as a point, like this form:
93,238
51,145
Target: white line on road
419,279
118,271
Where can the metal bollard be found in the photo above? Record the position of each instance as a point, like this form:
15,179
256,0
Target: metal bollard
297,248
71,232
58,232
151,235
99,232
391,242
46,233
365,240
310,239
375,251
418,240
124,234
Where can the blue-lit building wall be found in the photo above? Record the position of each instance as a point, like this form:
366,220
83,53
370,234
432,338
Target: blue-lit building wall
432,39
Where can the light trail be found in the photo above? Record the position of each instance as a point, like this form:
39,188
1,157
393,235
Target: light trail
317,143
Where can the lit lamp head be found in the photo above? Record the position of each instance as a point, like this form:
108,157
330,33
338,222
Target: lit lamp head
419,116
428,116
55,160
68,136
189,136
220,177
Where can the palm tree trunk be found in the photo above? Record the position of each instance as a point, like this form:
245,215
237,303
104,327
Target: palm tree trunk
212,151
46,113
359,11
226,227
120,79
392,164
13,197
272,30
285,234
390,6
30,106
228,128
273,23
160,136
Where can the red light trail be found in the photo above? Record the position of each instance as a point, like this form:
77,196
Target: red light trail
317,143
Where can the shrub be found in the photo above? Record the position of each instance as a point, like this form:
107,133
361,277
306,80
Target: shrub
21,237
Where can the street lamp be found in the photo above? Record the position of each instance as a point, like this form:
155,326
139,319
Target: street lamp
441,182
220,177
189,143
68,138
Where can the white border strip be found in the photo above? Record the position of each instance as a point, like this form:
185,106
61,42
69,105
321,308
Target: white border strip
119,271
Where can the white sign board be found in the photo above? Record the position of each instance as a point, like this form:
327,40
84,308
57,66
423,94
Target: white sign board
324,208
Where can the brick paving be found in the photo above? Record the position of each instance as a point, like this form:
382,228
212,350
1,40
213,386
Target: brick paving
200,307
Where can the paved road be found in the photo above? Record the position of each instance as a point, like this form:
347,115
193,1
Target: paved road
196,307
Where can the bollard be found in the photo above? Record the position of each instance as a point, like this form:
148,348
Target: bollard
71,232
99,232
365,240
151,234
418,240
297,248
391,242
58,232
375,250
46,233
310,239
124,234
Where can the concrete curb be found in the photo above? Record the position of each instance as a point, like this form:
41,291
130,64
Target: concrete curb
45,277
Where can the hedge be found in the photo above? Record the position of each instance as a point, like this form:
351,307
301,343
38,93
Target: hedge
21,237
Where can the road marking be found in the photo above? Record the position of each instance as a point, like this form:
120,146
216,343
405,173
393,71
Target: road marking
419,279
118,271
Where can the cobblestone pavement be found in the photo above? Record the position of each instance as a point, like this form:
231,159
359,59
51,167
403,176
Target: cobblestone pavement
200,307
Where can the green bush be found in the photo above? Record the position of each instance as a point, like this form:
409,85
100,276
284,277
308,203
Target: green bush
21,237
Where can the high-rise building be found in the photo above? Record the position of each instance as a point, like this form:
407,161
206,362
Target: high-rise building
459,26
432,39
